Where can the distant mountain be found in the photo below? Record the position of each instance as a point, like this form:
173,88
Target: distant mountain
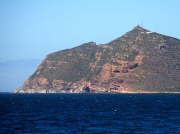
14,72
138,61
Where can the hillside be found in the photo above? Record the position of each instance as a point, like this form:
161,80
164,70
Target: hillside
138,61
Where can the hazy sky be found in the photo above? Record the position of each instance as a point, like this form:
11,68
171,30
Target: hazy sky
35,28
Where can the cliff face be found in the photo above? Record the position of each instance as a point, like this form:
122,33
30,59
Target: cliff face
138,61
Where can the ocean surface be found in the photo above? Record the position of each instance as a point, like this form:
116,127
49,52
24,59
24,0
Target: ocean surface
89,113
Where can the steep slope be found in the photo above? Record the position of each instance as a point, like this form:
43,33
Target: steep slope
138,61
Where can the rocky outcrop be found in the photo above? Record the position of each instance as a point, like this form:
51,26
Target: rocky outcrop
138,61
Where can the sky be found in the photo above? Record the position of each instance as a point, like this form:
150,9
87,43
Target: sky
31,29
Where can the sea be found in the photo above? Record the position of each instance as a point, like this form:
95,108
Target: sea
89,113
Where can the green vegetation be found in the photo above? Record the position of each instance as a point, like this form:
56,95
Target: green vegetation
159,71
71,72
115,63
64,84
132,56
93,73
76,64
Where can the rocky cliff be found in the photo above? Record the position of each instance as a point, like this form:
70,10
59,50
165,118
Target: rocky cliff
138,61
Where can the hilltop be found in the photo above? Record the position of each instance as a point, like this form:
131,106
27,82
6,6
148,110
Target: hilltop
138,61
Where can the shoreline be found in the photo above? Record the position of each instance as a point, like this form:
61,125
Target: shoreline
123,92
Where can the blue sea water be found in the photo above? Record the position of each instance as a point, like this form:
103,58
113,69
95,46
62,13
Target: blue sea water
90,113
